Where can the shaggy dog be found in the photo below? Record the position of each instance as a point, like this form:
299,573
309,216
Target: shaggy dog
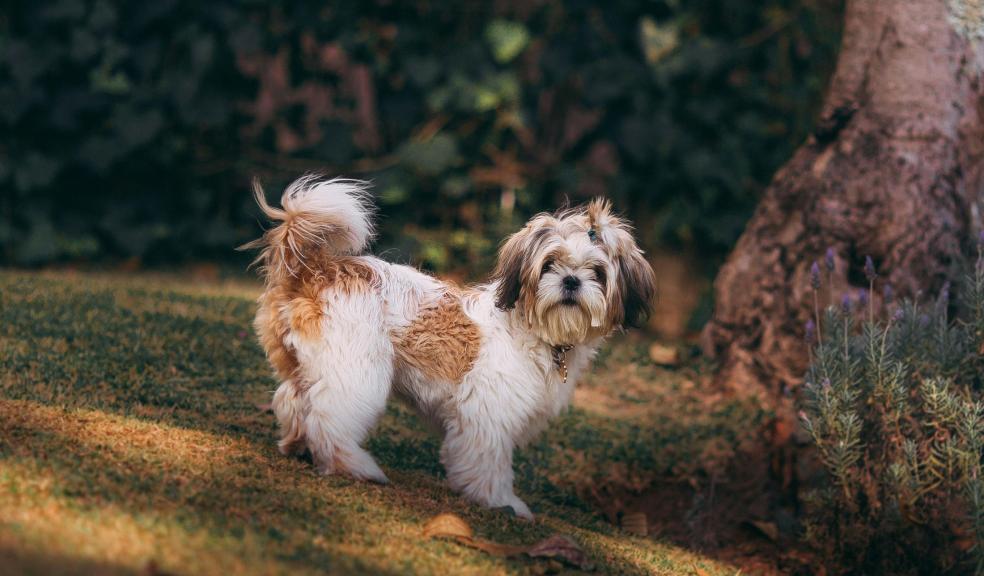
487,365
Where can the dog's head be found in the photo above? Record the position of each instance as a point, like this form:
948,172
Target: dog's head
575,275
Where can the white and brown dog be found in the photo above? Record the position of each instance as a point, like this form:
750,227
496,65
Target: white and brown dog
488,365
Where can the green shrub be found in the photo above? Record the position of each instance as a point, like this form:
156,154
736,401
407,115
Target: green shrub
893,405
132,129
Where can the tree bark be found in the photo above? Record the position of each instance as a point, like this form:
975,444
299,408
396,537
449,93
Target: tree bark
895,170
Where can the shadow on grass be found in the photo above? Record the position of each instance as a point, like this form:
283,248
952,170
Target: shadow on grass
17,560
227,494
222,493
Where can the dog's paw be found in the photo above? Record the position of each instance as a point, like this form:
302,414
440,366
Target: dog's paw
358,464
375,477
519,509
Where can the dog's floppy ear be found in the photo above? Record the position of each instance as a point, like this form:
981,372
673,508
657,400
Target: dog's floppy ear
637,282
509,269
638,285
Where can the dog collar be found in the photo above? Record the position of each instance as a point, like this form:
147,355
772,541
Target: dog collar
559,354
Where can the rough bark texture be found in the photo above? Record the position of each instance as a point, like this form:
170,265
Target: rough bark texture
894,170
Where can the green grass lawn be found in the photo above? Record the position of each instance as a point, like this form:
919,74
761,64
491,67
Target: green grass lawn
132,441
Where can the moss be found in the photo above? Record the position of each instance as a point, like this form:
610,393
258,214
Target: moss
130,434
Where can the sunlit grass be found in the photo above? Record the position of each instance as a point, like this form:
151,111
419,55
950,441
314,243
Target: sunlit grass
130,434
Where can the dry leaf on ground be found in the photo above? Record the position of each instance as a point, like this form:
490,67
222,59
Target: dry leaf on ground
561,547
452,526
665,355
447,525
558,546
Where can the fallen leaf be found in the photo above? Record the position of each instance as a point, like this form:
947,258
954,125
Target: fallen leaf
635,523
494,548
558,546
563,548
665,355
452,526
699,571
447,525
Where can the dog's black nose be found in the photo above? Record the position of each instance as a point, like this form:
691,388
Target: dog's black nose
572,283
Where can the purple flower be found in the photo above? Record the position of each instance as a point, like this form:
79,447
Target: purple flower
888,294
826,383
829,259
815,275
898,314
862,298
846,304
980,239
945,293
811,331
923,320
802,415
869,269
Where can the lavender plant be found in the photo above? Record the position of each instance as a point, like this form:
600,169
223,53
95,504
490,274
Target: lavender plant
893,405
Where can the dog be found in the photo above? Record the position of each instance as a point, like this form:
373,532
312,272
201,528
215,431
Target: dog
488,366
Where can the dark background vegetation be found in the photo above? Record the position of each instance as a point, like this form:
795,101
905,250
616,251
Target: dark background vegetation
129,130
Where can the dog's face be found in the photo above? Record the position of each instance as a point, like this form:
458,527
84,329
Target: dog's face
575,275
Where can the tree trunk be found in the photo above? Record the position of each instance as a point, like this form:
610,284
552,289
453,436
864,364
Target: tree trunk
894,171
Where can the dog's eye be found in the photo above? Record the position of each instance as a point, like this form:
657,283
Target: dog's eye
546,267
600,274
592,234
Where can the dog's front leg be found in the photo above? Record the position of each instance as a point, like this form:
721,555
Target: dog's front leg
479,465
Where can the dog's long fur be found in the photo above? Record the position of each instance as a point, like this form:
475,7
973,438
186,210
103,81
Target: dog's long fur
343,330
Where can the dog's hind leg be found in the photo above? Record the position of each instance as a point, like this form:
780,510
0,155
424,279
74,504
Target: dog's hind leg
289,405
351,368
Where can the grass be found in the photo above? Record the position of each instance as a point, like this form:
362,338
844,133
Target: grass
131,440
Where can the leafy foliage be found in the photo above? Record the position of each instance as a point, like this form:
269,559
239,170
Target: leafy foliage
896,415
131,129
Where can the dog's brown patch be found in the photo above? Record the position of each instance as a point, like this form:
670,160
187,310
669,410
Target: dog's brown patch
307,307
442,342
272,329
305,317
346,275
296,305
341,275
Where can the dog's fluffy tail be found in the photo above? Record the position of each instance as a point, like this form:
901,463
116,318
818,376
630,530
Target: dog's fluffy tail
318,218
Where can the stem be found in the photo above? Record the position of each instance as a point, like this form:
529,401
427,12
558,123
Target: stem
871,301
847,352
888,326
816,314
